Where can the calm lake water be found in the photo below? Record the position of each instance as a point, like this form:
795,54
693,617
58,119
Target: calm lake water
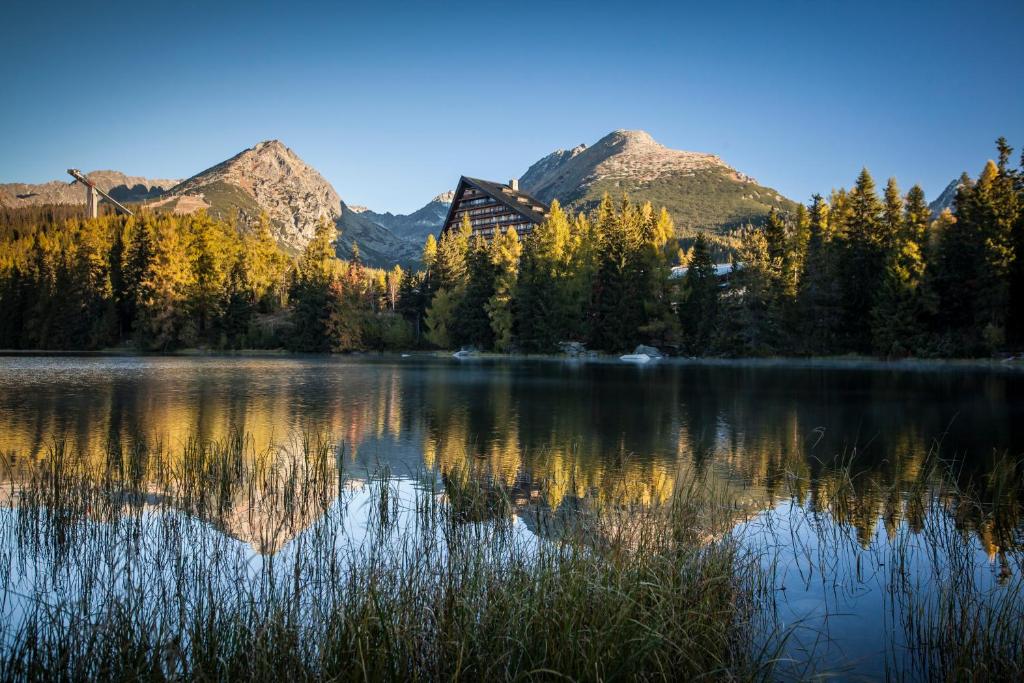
783,437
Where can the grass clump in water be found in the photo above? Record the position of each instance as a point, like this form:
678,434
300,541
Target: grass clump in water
217,562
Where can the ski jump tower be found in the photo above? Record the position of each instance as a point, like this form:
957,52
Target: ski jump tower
93,194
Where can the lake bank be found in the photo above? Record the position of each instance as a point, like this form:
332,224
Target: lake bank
1015,363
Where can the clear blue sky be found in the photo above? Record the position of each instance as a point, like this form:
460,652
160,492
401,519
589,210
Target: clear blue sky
393,101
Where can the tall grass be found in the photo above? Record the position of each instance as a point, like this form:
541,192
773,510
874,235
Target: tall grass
949,567
212,561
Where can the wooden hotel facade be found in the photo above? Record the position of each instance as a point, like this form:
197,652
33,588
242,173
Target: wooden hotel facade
493,208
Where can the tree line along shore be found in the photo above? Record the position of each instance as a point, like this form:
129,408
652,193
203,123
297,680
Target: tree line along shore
857,272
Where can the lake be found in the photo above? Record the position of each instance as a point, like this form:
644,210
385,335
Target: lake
785,439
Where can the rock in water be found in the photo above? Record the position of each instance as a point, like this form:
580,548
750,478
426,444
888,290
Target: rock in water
648,351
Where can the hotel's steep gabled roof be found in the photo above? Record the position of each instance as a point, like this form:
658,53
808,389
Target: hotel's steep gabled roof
527,205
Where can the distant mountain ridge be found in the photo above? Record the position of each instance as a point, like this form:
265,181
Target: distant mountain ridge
267,178
946,199
700,190
124,188
418,224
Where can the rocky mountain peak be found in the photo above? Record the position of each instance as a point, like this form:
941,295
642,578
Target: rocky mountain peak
628,137
946,199
273,180
699,189
630,156
444,197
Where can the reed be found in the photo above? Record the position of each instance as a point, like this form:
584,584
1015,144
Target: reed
213,561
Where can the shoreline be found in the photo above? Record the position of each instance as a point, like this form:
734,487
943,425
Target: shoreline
847,362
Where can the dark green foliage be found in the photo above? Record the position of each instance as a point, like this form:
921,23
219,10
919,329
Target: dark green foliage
860,234
472,326
617,312
749,323
819,292
698,308
311,292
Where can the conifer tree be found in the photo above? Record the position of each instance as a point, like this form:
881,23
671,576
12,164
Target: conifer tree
505,251
471,324
818,301
898,312
547,293
862,261
617,311
439,316
311,290
659,325
205,295
266,269
698,309
449,266
239,307
163,321
748,327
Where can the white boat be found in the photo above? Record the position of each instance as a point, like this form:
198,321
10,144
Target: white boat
636,358
465,353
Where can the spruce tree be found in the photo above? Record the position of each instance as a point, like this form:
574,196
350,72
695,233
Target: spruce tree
471,324
542,309
505,251
311,290
819,296
898,312
659,325
863,262
748,327
617,307
698,308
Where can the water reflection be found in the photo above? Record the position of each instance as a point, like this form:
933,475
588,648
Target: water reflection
565,431
831,473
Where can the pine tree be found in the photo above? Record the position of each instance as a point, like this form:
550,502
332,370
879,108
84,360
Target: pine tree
748,327
239,306
439,317
819,294
311,290
207,286
898,313
162,321
892,224
547,307
472,325
267,269
505,251
617,311
698,309
449,267
863,261
139,262
659,326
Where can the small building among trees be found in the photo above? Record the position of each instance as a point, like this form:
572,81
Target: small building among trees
493,208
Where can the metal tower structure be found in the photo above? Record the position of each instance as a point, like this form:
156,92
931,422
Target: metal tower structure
93,194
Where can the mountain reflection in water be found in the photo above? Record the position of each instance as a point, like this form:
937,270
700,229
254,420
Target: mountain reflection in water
563,430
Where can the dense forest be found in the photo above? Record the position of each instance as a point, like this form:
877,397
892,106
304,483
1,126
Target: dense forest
856,272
